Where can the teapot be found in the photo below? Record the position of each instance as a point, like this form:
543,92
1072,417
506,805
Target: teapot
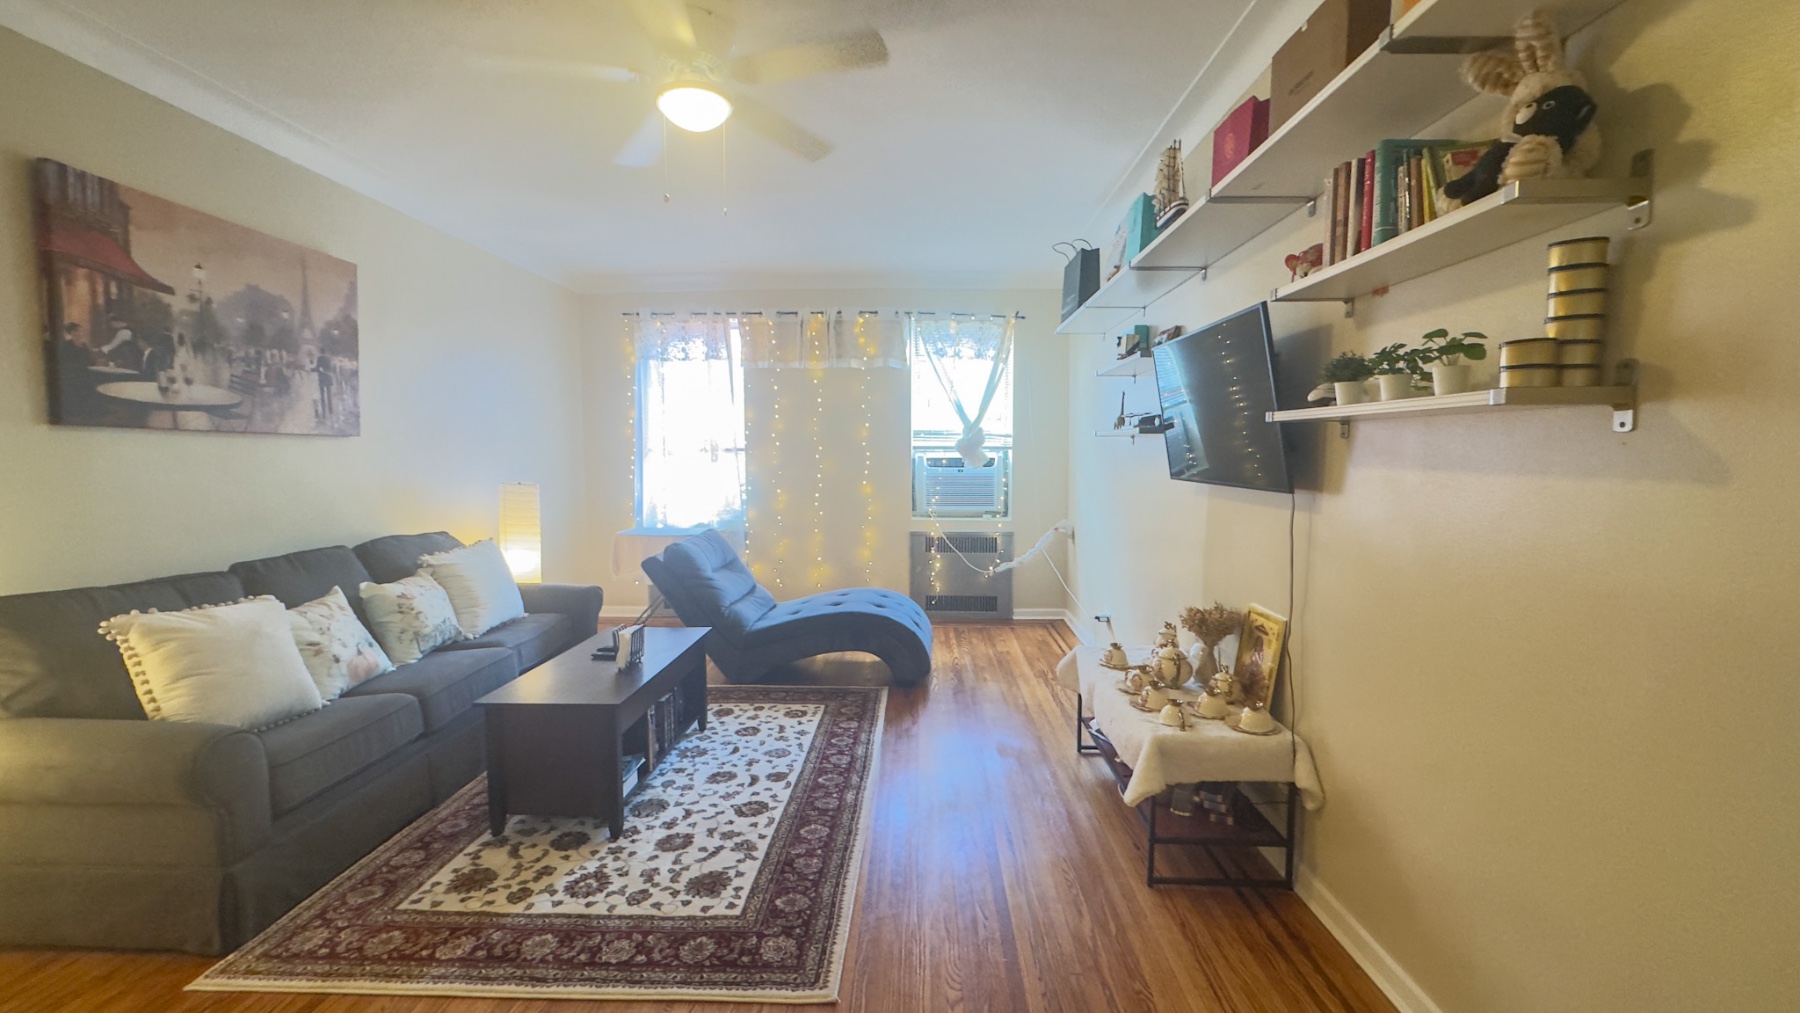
1173,666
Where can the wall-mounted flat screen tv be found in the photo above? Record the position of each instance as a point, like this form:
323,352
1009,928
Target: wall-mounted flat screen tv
1217,384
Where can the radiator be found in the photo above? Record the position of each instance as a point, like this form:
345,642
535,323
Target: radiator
947,588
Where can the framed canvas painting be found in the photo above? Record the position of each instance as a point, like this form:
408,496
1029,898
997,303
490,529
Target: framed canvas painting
160,317
1259,654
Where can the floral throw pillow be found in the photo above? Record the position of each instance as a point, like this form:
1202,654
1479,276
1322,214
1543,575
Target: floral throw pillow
338,651
410,617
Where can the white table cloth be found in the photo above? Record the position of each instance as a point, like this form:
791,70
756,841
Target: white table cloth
1160,756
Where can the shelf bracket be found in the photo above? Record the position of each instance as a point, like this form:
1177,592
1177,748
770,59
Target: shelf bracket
1343,429
1624,410
1637,207
1312,207
1203,274
1349,308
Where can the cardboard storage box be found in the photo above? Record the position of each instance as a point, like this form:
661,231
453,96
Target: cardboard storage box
1238,135
1332,37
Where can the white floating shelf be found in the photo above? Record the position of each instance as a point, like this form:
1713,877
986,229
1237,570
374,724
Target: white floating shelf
1515,212
1622,400
1120,298
1211,230
1116,434
1381,94
1136,365
1475,24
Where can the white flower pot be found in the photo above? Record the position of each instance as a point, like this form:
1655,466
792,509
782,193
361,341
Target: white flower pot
1395,386
1450,379
1350,392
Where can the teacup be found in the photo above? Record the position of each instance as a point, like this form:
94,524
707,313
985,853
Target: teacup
1155,698
1255,719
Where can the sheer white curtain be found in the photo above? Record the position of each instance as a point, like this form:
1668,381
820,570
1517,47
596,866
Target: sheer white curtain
969,357
690,422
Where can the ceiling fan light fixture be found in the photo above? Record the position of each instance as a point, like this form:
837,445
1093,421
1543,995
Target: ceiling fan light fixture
693,105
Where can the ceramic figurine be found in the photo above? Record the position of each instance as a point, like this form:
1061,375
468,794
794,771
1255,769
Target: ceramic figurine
1173,716
1115,657
1256,721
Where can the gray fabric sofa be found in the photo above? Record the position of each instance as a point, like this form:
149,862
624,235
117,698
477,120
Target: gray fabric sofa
708,585
117,831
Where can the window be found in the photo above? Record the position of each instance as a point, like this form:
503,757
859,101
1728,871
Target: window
690,423
962,416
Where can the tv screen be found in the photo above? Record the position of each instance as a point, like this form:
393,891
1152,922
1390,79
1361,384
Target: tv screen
1217,385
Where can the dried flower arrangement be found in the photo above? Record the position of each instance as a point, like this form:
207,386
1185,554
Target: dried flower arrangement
1211,624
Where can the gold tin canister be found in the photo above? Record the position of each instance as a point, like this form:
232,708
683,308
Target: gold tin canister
1587,302
1580,376
1529,352
1535,375
1573,252
1591,327
1580,353
1582,278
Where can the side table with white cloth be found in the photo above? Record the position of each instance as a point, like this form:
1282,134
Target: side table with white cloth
1147,758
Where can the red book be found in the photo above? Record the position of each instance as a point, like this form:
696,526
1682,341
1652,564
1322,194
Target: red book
1367,227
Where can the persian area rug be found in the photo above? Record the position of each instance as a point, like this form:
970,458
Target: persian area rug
735,879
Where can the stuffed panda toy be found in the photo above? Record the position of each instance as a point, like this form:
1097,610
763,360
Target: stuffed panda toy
1548,129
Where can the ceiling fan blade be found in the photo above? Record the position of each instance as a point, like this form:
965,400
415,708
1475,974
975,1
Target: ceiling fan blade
845,52
668,24
645,146
558,68
763,120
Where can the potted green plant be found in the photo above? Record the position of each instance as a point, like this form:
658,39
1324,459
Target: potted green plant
1444,352
1395,367
1347,374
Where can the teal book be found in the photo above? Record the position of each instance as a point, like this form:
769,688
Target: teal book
1389,156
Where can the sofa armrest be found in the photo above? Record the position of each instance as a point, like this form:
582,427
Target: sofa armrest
110,766
580,602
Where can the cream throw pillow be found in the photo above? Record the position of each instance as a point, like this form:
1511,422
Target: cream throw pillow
480,585
410,617
336,648
230,664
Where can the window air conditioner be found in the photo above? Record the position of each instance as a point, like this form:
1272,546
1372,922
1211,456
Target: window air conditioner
943,486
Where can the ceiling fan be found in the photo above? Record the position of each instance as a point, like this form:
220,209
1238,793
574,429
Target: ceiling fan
704,80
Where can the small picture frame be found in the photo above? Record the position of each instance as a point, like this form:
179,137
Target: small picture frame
628,645
1259,654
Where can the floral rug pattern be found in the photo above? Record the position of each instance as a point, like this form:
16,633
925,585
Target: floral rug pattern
734,878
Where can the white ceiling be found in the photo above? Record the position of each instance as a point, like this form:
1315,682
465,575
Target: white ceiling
997,128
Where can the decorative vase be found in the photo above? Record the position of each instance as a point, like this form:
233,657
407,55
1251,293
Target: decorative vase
1205,661
1395,386
1350,392
1450,379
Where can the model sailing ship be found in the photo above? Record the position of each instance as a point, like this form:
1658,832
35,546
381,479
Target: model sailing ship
1171,190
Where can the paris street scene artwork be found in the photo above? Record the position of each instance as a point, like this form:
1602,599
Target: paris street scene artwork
160,317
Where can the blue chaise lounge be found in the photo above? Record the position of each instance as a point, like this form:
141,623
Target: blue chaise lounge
708,585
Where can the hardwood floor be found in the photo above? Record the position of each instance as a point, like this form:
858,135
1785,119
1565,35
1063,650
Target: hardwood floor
1004,876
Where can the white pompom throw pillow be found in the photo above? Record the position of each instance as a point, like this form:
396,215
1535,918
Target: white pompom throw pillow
480,585
232,664
337,649
410,617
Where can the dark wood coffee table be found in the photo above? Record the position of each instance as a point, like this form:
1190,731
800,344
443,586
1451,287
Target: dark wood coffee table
556,735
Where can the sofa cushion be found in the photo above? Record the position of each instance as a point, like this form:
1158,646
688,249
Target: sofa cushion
310,754
446,683
717,581
533,639
54,664
233,664
479,583
300,577
395,556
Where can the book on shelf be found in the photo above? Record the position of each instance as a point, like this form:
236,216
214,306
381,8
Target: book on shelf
1366,227
1340,213
1353,224
1391,158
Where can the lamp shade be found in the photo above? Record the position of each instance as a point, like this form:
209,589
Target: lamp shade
694,106
521,532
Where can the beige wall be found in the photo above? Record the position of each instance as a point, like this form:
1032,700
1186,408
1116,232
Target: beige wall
1550,673
464,367
826,406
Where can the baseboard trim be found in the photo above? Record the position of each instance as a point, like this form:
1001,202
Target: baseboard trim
620,611
1382,968
1037,615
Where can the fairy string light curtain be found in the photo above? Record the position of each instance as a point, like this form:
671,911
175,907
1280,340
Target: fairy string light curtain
825,339
968,357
